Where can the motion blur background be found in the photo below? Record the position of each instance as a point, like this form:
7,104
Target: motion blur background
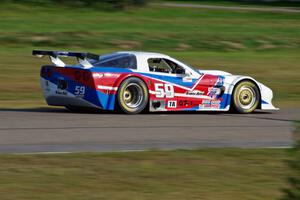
262,44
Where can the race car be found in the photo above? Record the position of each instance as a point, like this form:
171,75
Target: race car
133,82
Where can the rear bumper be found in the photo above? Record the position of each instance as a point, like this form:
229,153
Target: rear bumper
57,97
68,101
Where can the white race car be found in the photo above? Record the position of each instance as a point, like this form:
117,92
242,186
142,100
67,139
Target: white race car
135,81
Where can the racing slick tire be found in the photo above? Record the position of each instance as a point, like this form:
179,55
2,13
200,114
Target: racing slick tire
132,95
246,97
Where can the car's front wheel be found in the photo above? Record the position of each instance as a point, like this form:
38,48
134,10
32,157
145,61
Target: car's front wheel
246,97
132,95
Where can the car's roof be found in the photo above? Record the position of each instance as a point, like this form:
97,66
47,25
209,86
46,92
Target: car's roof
144,53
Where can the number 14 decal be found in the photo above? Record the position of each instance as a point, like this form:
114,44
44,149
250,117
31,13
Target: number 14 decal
164,90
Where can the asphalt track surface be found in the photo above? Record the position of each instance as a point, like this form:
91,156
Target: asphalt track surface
58,130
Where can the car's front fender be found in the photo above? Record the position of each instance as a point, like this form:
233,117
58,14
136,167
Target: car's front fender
266,93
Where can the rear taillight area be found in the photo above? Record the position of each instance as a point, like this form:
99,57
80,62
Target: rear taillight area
82,75
70,76
46,71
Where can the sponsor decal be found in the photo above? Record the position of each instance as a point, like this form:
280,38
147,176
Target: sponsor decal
61,87
194,93
213,92
206,103
220,81
172,104
62,84
61,92
185,103
210,104
215,104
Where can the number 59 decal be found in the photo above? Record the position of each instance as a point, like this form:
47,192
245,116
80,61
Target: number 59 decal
79,90
164,90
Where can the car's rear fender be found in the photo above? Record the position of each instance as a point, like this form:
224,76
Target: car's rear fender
108,82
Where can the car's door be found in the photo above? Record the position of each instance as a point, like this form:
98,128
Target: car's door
178,88
170,72
173,82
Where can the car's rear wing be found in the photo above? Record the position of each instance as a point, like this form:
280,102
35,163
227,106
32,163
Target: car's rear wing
54,57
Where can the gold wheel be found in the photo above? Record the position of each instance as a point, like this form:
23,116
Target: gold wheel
133,95
246,97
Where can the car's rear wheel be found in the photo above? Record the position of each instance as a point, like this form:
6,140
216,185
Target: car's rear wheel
246,97
132,95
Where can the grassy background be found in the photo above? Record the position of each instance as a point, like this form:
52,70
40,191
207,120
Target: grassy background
231,174
260,44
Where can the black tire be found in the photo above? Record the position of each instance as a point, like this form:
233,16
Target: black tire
245,97
132,96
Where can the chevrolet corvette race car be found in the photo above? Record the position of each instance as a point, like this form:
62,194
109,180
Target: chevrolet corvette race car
137,81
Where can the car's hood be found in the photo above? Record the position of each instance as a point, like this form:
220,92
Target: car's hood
228,77
215,72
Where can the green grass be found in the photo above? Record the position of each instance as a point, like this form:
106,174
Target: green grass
231,174
261,44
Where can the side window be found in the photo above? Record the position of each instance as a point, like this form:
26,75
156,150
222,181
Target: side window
159,65
176,69
165,66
